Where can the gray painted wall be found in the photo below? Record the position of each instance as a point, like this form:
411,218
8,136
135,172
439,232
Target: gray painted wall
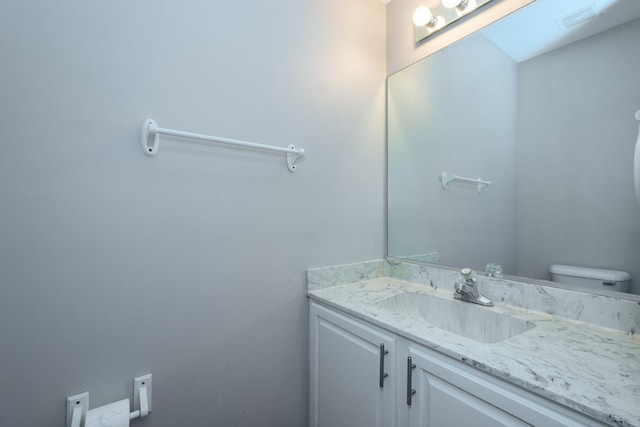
575,173
190,265
464,226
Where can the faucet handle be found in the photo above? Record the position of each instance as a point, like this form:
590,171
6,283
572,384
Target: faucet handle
493,270
468,275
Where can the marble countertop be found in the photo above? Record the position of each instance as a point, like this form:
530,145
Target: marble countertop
592,369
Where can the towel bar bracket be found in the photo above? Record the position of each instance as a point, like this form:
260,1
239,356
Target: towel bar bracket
292,158
150,140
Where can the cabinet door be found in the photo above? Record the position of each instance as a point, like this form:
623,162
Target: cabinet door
449,393
348,366
437,402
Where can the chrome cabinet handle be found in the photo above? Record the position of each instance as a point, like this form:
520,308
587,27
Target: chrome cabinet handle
383,374
410,391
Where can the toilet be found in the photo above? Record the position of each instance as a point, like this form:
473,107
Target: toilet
593,278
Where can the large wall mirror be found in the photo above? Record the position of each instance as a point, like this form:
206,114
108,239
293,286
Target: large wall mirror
542,104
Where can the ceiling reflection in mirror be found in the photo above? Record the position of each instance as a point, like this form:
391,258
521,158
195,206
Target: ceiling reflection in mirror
541,104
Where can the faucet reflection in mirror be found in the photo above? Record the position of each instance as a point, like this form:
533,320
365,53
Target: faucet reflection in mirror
427,20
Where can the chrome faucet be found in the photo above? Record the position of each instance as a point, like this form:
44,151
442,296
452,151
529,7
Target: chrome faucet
466,289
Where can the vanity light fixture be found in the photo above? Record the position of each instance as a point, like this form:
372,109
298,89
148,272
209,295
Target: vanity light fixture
427,21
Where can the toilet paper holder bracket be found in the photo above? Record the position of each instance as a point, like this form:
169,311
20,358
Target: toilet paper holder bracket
141,396
78,404
77,407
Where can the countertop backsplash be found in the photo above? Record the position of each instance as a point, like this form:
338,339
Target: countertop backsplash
607,311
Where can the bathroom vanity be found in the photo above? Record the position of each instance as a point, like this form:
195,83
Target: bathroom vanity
389,346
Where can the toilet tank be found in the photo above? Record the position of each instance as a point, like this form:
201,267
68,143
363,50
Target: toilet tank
593,278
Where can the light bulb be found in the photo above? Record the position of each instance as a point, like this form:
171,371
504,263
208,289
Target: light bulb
459,4
450,4
422,16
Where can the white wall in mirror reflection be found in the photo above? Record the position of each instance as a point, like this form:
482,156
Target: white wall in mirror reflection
555,134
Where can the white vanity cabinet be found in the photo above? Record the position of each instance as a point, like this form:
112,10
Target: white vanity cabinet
353,378
423,388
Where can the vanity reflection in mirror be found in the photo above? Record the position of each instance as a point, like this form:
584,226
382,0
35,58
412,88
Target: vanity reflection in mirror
541,104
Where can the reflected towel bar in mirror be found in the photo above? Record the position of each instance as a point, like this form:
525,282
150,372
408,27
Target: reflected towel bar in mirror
445,179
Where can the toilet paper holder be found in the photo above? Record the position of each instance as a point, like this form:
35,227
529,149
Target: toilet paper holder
78,404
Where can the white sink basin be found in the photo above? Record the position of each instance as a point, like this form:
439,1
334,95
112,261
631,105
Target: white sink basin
463,318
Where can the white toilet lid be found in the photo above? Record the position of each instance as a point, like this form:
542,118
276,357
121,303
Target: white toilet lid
590,273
